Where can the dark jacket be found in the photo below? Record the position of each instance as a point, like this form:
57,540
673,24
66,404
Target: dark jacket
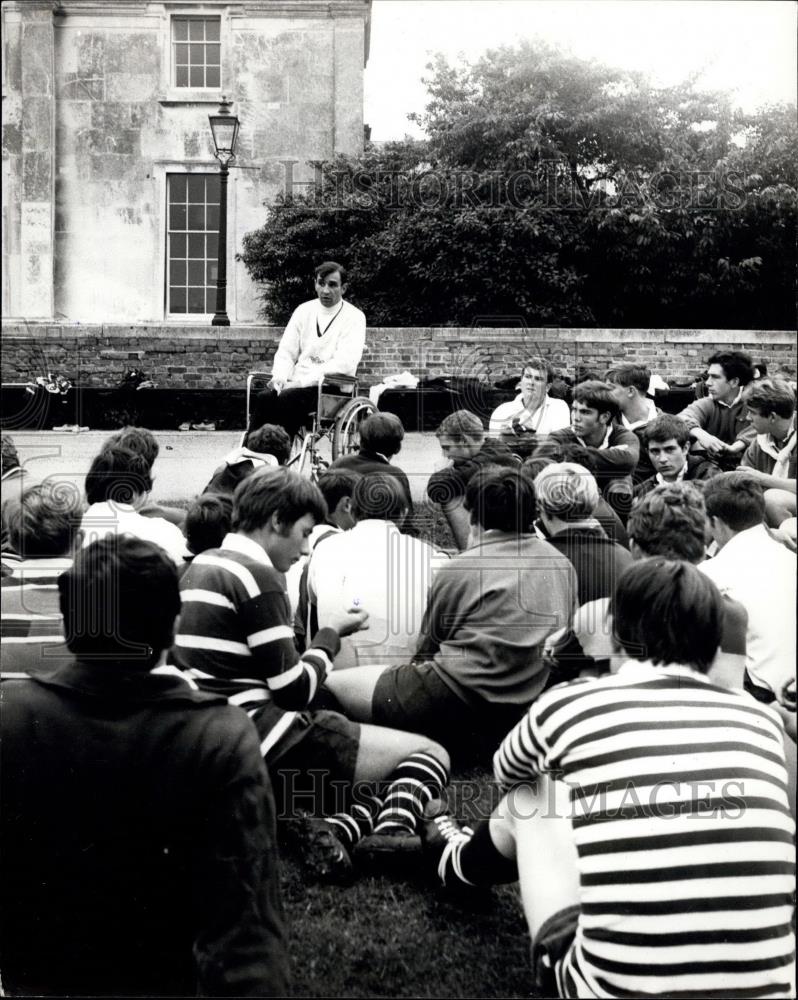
616,461
599,562
138,840
698,468
365,462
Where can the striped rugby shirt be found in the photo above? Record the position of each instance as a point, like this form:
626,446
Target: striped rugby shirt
235,637
680,815
31,626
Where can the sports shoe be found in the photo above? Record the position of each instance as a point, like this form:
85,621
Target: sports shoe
322,855
441,837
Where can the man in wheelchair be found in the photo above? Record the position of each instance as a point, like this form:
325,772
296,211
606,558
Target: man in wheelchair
323,336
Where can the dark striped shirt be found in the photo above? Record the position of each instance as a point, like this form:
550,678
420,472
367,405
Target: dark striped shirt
235,637
31,626
679,808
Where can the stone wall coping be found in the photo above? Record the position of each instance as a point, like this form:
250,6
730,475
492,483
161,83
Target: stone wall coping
481,336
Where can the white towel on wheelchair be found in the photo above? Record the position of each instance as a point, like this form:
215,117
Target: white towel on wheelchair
405,380
258,458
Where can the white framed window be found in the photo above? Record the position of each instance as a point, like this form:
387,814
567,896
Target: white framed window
196,52
192,243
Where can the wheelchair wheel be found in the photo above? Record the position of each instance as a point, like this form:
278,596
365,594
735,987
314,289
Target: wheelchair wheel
346,435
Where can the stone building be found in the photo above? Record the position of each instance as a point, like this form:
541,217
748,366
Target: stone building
110,186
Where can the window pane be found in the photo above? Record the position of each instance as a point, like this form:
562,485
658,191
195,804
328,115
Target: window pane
213,272
180,26
196,55
196,217
181,55
197,76
196,300
212,188
196,28
177,187
212,217
177,300
177,246
210,300
196,189
177,216
181,76
196,272
213,246
212,29
212,77
196,246
212,55
177,272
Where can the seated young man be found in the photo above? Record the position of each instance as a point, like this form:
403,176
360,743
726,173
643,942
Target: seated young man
235,638
595,425
138,823
534,412
143,442
666,439
269,445
381,437
489,612
42,527
117,486
630,384
646,819
718,423
772,456
465,448
14,480
208,521
375,565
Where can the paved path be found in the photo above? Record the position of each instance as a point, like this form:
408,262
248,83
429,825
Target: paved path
186,461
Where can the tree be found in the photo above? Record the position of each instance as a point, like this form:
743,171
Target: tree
556,189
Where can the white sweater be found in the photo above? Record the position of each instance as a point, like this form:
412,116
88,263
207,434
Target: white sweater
302,356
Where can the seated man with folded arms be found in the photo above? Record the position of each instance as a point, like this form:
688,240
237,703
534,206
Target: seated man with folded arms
269,445
595,424
771,457
489,612
666,440
234,638
718,423
648,865
138,822
465,448
533,413
43,528
630,384
324,336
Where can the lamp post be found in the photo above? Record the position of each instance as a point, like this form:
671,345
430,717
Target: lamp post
224,129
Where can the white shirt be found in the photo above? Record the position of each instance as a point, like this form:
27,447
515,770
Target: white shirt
552,415
760,573
303,356
375,567
112,518
632,425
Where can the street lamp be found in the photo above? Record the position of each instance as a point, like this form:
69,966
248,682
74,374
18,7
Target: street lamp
224,128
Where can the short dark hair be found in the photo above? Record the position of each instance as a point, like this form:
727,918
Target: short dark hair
668,612
208,520
628,374
270,439
119,474
278,491
382,432
735,498
137,439
329,267
119,600
598,396
43,520
670,521
501,498
379,495
9,459
771,396
335,484
534,465
664,427
735,364
566,451
539,364
461,424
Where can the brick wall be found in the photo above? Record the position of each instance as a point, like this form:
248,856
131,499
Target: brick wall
211,357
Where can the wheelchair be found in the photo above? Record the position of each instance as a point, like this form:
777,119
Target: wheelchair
337,418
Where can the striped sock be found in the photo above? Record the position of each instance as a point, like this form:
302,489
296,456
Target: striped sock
414,783
351,827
